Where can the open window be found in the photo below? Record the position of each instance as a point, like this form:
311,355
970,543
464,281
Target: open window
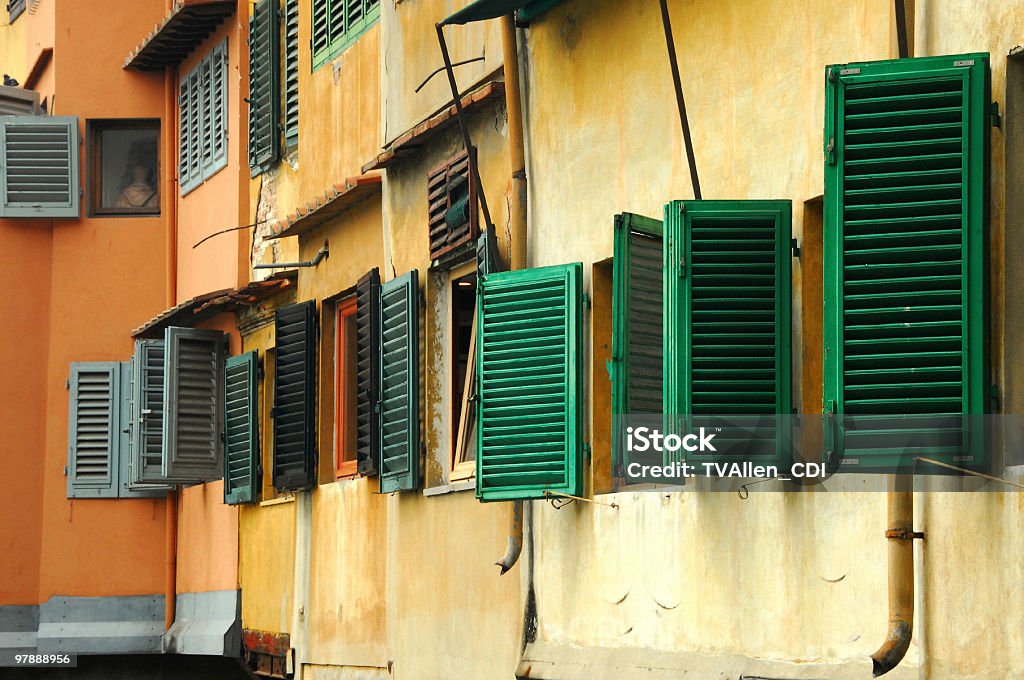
346,383
462,373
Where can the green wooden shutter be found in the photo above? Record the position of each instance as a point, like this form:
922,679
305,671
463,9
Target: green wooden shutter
94,437
399,391
368,371
264,86
39,166
294,412
147,413
193,394
241,430
530,367
291,73
321,27
727,327
637,282
906,200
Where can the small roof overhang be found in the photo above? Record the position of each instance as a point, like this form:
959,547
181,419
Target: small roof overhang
327,206
481,10
209,305
188,24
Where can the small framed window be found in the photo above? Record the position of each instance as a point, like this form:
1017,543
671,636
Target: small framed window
346,376
124,167
462,291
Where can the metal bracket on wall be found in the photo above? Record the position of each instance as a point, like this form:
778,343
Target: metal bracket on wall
321,255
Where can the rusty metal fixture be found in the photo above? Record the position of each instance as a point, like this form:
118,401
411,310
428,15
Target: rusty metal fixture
516,147
515,538
901,29
673,61
266,653
900,536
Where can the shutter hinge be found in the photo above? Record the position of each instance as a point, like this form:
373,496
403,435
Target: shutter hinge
682,267
682,208
994,397
830,151
963,62
849,71
273,411
997,121
831,74
587,453
586,301
831,457
65,470
67,383
794,247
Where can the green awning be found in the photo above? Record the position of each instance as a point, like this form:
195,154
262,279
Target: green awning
492,9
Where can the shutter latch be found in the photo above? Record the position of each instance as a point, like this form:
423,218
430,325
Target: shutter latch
794,247
830,151
997,121
682,267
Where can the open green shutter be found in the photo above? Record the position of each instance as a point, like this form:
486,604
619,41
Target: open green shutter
241,433
906,203
294,412
399,390
94,436
291,73
264,86
39,166
727,341
368,372
637,282
193,394
530,366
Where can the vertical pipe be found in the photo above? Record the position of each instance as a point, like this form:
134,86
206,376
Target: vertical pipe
901,577
170,185
170,553
673,61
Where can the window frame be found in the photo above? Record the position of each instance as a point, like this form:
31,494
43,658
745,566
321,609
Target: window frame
94,129
345,372
460,468
337,45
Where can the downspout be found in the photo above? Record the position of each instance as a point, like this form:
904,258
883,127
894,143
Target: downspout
171,246
171,553
517,228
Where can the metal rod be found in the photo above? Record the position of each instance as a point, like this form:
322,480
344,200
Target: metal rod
550,494
680,102
460,114
320,255
970,472
901,29
441,68
228,230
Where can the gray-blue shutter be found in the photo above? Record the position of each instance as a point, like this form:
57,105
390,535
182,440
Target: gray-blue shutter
94,436
193,395
126,488
39,173
215,113
399,391
147,413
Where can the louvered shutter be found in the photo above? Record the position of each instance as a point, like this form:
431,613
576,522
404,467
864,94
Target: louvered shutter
368,371
906,199
94,436
399,391
321,26
291,73
39,166
215,112
192,107
451,206
185,141
637,351
241,423
294,412
147,413
126,456
530,368
264,88
727,344
193,394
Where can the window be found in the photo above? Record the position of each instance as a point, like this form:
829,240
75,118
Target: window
906,200
399,385
294,412
530,361
346,384
203,119
451,208
124,167
727,323
39,166
15,9
264,86
462,373
337,24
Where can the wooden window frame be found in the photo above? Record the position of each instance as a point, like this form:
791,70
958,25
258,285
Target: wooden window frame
460,434
345,462
94,130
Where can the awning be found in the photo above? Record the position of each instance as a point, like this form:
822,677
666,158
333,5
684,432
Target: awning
188,24
327,206
482,10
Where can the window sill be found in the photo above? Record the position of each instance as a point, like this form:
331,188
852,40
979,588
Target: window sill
454,487
278,501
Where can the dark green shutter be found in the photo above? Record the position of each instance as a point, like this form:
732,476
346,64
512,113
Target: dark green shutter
294,412
368,371
337,23
94,436
530,366
39,166
264,86
727,307
399,390
241,433
637,352
906,200
291,73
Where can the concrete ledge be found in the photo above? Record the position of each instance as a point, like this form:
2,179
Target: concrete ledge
18,626
544,661
101,625
206,623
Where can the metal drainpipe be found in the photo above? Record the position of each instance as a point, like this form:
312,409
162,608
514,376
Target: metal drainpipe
517,227
171,553
170,200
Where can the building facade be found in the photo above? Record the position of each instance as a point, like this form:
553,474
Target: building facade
373,342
